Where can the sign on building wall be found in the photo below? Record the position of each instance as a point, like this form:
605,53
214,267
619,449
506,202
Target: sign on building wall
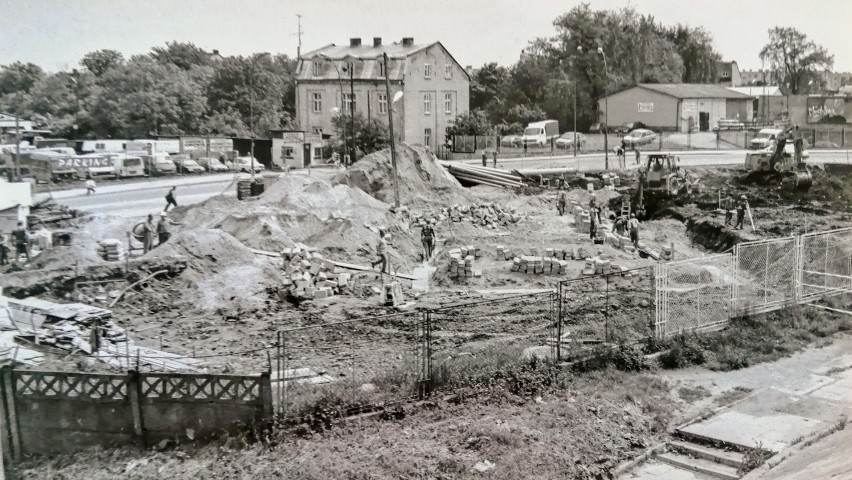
646,107
688,106
836,110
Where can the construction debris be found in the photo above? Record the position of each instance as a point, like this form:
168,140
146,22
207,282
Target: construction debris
489,215
111,250
309,275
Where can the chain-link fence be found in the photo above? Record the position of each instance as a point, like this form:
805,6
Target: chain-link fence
766,275
825,264
607,308
469,340
694,294
349,364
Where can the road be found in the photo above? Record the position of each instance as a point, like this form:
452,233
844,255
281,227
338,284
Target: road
138,199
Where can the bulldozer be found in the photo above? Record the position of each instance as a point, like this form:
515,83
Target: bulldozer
660,180
782,160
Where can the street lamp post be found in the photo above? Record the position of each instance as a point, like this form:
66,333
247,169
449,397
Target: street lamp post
342,103
606,110
350,68
390,129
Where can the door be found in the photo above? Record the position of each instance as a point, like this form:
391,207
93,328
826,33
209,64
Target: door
703,121
306,149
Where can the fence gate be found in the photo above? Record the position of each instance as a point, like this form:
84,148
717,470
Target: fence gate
824,264
765,275
693,294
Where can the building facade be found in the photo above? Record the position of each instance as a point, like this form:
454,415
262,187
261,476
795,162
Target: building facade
336,80
729,74
675,106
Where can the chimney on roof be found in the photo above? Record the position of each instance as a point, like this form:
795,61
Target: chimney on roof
377,41
407,41
354,42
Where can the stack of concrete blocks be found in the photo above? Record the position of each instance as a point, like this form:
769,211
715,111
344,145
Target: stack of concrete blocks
308,275
461,262
488,215
111,249
504,253
534,265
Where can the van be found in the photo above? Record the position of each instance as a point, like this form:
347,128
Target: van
128,166
158,164
540,133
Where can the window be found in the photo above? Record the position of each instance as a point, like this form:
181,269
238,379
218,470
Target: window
448,103
289,152
381,68
318,130
317,69
349,102
427,103
427,70
427,136
383,103
317,152
448,71
350,67
725,74
316,101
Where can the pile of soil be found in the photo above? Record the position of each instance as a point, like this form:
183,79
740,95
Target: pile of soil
87,232
422,181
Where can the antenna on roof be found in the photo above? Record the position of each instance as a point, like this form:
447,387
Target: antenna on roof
299,32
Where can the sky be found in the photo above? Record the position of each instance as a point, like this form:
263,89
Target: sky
55,34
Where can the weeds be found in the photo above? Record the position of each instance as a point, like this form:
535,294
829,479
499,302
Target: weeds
752,458
689,394
733,395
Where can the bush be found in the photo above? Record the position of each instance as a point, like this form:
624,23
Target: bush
684,352
624,358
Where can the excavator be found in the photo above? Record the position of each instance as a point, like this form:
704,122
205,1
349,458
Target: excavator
661,179
782,159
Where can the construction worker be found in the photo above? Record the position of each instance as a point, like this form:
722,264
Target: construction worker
90,184
620,225
170,199
636,150
382,252
728,206
163,233
150,230
4,250
633,226
22,241
593,206
561,201
484,158
742,206
495,158
594,219
427,238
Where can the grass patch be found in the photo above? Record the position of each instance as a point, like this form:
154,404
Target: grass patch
733,395
691,395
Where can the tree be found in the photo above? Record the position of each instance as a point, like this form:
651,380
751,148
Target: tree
473,122
183,55
370,135
19,77
100,61
796,58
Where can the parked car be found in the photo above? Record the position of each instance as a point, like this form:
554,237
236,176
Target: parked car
729,124
188,165
596,128
639,137
629,127
764,138
212,164
566,140
243,164
510,140
825,144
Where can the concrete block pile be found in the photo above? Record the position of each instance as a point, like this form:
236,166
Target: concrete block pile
461,262
308,275
551,263
489,215
111,249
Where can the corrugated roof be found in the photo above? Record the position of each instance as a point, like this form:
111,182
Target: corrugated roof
693,90
758,91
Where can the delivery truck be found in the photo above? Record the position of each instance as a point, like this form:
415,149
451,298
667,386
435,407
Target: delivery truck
540,133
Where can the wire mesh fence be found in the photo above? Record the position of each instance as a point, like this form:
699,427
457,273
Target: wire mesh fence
349,365
607,308
471,340
694,294
766,275
825,264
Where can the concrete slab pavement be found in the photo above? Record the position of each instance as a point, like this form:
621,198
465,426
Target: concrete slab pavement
827,458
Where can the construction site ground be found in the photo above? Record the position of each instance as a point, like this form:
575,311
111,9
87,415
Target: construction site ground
229,302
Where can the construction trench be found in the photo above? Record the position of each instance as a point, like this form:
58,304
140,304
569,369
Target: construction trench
281,282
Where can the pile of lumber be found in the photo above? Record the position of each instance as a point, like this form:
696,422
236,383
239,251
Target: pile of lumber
483,176
309,275
111,249
489,215
461,262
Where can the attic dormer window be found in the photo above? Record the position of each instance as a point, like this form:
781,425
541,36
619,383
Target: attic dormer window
317,69
381,68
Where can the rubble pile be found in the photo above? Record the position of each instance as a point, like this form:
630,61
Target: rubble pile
111,250
488,215
461,262
309,275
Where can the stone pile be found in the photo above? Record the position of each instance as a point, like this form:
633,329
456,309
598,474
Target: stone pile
461,262
488,215
308,275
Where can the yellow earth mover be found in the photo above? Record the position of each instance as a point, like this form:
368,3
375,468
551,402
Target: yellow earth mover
785,158
660,180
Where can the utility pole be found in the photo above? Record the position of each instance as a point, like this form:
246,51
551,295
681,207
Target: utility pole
351,67
17,148
299,32
390,129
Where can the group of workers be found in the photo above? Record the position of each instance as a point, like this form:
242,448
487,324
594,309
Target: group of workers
622,225
160,230
22,239
740,206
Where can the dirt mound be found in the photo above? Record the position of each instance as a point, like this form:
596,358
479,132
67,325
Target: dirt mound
221,272
422,181
84,242
341,222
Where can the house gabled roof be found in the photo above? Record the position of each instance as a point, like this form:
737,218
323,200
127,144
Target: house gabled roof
693,90
370,56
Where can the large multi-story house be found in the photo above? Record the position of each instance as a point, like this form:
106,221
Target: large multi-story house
435,88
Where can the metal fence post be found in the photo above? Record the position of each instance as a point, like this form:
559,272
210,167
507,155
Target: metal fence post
606,310
12,434
559,323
